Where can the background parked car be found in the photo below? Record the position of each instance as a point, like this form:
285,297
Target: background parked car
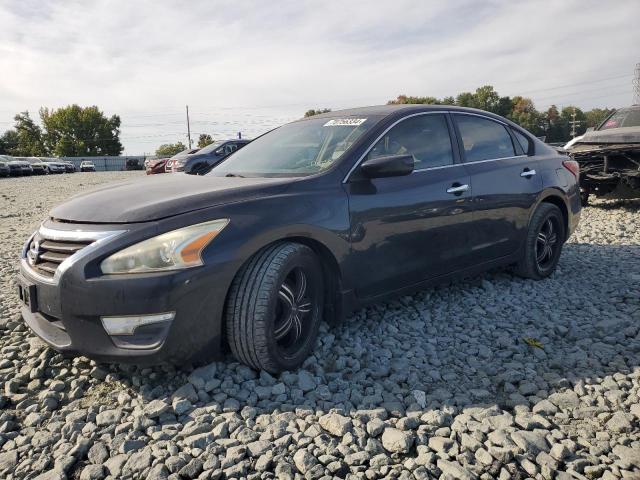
178,156
4,167
40,168
69,167
87,166
156,166
20,167
208,157
56,167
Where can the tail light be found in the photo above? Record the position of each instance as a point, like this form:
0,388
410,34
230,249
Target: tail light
572,166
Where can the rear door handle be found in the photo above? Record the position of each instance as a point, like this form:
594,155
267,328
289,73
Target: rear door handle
457,189
528,173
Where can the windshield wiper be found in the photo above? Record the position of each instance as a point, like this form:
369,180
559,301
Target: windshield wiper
234,175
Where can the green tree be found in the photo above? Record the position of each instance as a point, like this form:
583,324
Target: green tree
466,99
170,149
596,116
204,139
9,142
524,113
312,112
404,99
25,139
80,131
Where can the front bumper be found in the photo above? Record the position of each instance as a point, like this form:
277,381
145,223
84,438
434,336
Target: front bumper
68,310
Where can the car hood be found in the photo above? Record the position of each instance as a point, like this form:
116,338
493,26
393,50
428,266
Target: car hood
162,196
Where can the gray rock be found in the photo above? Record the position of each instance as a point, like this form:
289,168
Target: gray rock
628,456
186,392
108,417
306,382
455,470
8,460
138,461
98,453
530,442
191,469
155,408
92,472
257,448
565,400
336,424
397,441
619,423
304,461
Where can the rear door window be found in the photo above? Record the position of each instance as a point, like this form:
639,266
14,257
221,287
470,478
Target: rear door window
425,137
483,139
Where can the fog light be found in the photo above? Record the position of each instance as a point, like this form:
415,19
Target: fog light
127,325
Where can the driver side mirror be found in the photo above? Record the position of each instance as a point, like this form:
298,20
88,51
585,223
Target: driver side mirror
389,166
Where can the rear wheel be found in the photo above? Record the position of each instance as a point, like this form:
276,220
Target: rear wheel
543,244
274,308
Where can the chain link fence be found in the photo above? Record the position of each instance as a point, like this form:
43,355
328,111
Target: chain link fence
109,164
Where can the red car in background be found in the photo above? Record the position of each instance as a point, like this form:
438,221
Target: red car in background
156,166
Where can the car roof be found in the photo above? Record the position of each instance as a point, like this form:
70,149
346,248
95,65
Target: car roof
392,110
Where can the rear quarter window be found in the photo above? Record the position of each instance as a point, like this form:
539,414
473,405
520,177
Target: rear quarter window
524,142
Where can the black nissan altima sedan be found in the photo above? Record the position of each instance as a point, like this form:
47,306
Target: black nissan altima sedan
306,223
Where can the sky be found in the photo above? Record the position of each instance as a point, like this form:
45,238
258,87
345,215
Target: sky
250,66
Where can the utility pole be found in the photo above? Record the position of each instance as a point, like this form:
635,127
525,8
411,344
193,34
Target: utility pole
188,128
573,123
636,85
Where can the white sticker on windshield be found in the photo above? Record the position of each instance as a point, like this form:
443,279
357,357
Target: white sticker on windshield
345,122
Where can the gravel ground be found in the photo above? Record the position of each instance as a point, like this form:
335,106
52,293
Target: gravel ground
441,384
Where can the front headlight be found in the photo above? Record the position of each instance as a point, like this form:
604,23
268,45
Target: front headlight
170,251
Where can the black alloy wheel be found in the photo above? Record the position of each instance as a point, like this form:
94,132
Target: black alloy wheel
274,307
546,243
543,244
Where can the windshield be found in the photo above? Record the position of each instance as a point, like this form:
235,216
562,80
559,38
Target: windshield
211,147
296,149
625,117
183,153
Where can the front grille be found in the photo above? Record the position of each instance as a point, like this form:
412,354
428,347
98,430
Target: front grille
46,255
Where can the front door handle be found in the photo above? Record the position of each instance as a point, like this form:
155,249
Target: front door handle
457,189
528,173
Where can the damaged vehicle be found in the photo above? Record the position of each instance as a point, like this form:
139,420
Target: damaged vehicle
609,157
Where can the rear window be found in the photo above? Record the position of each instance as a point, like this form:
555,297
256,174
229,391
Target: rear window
484,139
625,117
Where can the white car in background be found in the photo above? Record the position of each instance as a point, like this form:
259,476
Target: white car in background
87,166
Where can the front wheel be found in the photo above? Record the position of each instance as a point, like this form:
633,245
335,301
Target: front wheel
274,307
543,244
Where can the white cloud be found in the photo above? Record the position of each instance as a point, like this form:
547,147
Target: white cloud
253,65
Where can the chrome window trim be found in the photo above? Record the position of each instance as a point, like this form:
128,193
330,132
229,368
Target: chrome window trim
366,152
97,238
467,163
452,112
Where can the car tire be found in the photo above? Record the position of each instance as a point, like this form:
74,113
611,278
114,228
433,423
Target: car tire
274,308
543,245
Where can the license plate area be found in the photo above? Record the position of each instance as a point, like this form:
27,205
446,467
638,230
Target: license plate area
27,295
